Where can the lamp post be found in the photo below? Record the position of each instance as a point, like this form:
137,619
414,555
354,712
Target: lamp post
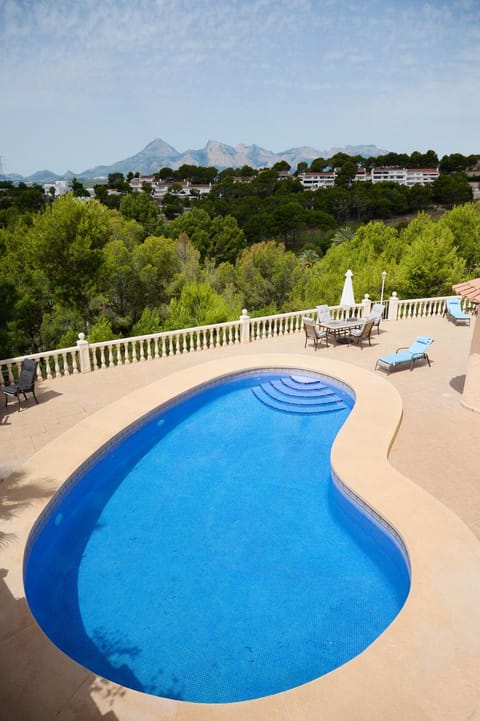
384,275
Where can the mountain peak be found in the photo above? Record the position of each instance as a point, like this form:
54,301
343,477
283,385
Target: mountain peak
158,154
160,147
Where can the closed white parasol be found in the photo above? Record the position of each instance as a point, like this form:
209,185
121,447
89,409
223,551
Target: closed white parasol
348,299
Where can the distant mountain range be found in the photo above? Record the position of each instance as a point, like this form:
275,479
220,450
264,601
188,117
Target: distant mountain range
159,154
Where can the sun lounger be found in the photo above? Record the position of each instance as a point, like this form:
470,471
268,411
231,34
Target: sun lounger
454,311
417,351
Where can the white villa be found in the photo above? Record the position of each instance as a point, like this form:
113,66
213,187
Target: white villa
403,176
162,187
60,187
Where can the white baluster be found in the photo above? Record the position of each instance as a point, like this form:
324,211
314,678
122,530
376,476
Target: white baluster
66,371
58,372
102,357
48,367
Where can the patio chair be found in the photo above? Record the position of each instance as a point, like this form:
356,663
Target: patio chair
313,333
358,335
25,383
454,311
417,351
323,314
376,314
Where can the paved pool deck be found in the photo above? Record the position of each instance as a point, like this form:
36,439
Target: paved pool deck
410,450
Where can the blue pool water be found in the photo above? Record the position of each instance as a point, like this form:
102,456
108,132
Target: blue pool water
209,557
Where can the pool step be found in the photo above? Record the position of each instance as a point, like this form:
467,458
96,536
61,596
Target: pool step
299,394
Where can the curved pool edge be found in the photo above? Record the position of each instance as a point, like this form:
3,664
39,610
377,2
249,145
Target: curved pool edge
426,663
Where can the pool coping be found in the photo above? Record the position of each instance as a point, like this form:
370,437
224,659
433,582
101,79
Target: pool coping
425,664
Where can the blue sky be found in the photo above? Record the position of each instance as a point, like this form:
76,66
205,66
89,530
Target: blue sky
89,82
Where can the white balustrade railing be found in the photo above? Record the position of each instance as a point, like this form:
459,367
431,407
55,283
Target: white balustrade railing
85,357
420,307
123,351
51,364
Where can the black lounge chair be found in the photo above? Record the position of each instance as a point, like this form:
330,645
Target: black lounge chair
25,383
313,333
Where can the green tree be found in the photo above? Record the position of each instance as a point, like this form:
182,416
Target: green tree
420,197
149,322
464,223
430,265
172,206
423,160
266,274
198,305
8,298
79,190
338,203
346,174
101,331
164,174
195,174
116,181
339,159
218,238
246,171
361,201
375,247
308,257
454,163
265,183
156,264
227,240
60,327
281,165
142,208
65,243
451,189
189,260
343,234
289,217
103,196
121,292
319,164
302,167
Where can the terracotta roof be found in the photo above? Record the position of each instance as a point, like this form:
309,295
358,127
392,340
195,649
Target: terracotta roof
470,289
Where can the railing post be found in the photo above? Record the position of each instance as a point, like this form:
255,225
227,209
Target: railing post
366,305
245,327
393,307
84,353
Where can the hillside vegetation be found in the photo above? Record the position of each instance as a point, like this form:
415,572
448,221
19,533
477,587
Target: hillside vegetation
76,265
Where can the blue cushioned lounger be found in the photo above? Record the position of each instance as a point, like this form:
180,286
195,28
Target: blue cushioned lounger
454,311
417,351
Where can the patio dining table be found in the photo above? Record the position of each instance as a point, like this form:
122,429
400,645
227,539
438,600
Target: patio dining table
339,328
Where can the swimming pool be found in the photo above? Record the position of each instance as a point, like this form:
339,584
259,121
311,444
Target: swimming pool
207,578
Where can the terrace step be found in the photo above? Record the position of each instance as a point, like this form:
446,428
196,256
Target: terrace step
299,395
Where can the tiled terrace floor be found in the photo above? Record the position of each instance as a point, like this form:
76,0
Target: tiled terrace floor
436,447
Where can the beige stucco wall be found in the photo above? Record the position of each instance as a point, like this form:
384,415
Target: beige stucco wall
471,391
